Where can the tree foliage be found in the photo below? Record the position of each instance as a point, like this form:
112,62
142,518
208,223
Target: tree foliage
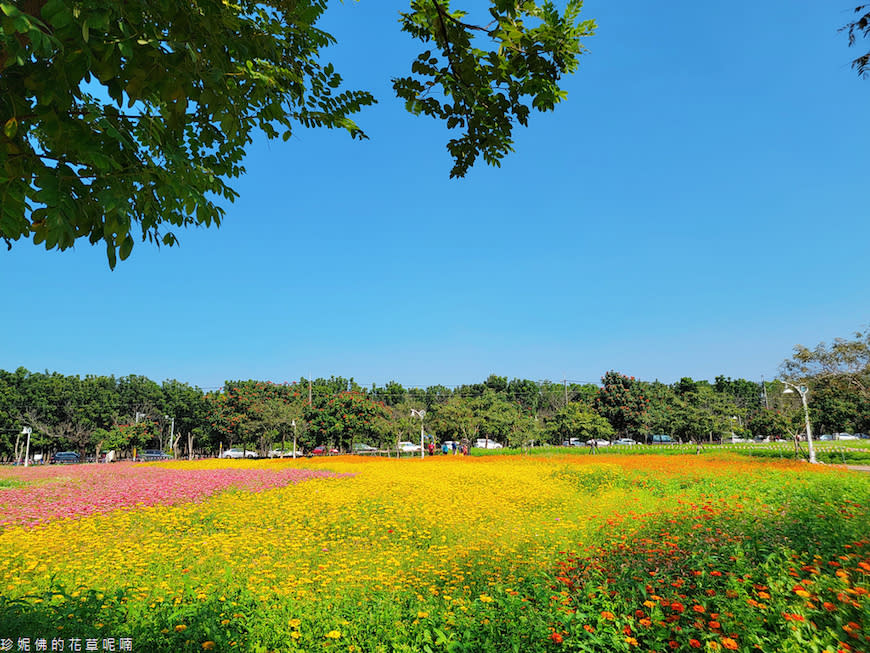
859,27
622,402
128,120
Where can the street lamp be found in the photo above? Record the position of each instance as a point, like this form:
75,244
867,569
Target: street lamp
421,414
293,424
27,431
171,432
802,391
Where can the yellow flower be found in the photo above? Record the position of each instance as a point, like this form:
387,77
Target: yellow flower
486,599
295,623
208,646
422,615
333,634
295,634
180,628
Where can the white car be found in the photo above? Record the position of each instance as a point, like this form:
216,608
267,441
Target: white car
278,453
409,447
598,443
572,442
483,443
846,436
239,453
625,441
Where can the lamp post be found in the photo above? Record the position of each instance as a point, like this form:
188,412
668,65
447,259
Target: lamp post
27,431
802,391
171,432
293,424
421,414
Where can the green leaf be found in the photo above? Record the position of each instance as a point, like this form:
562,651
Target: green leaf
11,127
126,247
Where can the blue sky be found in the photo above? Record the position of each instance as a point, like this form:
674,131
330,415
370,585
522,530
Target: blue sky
694,208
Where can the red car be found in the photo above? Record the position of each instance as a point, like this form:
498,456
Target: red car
322,450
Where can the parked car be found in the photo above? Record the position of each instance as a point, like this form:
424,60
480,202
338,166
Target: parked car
483,443
409,447
625,441
323,450
286,453
65,458
826,437
572,442
362,447
598,443
155,454
846,436
661,439
239,453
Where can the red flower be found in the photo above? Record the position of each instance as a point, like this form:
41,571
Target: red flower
556,637
694,643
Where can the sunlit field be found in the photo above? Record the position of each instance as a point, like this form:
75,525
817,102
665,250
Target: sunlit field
496,553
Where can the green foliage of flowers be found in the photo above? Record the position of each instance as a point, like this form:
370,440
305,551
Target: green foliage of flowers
452,553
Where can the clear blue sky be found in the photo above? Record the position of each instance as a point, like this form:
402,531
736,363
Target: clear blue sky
696,207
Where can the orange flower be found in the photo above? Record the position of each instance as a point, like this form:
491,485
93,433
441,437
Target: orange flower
676,606
608,615
631,641
729,643
694,643
556,637
698,608
588,628
715,625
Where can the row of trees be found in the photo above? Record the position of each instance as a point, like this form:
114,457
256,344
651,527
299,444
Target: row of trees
97,413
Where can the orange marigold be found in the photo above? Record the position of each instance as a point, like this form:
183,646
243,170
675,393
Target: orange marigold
729,643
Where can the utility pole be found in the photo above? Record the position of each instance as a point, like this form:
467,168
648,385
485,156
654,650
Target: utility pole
565,380
309,389
764,393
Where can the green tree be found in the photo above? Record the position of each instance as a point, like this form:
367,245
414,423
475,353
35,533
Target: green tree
576,421
345,418
125,120
622,402
186,405
847,360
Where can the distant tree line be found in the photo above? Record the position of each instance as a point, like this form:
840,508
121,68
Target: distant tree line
99,413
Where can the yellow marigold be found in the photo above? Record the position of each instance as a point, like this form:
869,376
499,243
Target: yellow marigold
422,615
295,634
486,599
208,646
295,623
333,634
180,628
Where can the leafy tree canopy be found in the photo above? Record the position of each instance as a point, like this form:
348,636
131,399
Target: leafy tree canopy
125,120
860,27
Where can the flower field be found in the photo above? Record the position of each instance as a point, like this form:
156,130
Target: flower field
500,553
